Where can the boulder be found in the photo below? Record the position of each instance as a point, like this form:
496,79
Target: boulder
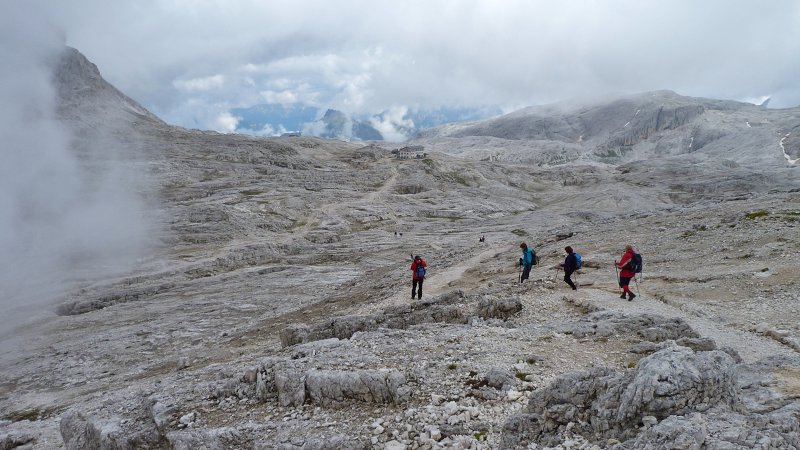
493,308
336,388
606,404
211,439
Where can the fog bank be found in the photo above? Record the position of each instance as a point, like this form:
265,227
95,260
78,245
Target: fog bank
63,218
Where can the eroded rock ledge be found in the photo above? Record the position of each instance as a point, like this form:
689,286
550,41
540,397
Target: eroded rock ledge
674,398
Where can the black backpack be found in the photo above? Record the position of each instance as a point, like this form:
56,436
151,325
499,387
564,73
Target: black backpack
635,264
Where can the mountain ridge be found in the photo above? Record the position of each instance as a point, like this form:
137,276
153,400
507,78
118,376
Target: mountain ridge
641,126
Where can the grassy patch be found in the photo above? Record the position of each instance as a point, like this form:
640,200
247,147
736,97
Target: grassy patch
756,214
519,232
28,414
452,366
430,166
456,177
480,435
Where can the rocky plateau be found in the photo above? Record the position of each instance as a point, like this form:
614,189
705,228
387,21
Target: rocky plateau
273,310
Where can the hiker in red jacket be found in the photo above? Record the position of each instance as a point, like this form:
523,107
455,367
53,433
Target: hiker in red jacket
626,273
417,276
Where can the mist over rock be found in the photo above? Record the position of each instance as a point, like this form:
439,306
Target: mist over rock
269,306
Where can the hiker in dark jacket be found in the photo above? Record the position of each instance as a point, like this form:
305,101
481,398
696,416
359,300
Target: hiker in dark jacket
417,276
526,262
626,274
570,265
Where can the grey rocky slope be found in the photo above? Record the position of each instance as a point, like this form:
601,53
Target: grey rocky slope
659,124
273,312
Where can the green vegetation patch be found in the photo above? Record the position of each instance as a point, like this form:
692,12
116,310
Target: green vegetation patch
519,232
456,177
756,214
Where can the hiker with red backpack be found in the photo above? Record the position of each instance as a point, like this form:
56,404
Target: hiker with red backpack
630,264
417,276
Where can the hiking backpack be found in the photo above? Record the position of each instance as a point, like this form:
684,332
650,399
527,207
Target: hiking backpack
420,271
578,260
635,264
534,258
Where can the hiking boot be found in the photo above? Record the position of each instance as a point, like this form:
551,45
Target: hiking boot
631,296
623,295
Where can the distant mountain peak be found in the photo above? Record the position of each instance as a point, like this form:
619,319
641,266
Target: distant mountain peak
83,91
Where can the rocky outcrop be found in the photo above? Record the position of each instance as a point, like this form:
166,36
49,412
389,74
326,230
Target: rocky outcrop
447,308
80,432
13,440
336,387
604,404
649,327
212,439
498,308
338,442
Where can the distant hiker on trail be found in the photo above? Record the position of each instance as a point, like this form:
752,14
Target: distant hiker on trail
570,265
482,239
417,276
626,272
526,262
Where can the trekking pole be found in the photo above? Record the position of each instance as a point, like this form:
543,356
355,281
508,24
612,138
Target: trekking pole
616,269
637,285
520,273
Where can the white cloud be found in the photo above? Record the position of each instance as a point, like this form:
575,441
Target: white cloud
284,98
63,217
226,123
392,125
200,84
363,57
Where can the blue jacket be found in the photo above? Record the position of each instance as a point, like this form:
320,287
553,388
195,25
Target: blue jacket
527,257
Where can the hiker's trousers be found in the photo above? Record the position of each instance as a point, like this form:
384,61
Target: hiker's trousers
568,279
526,272
414,284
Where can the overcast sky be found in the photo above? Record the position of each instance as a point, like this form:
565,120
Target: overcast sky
190,62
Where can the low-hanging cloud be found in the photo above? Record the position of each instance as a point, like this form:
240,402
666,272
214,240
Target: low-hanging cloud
364,57
63,219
